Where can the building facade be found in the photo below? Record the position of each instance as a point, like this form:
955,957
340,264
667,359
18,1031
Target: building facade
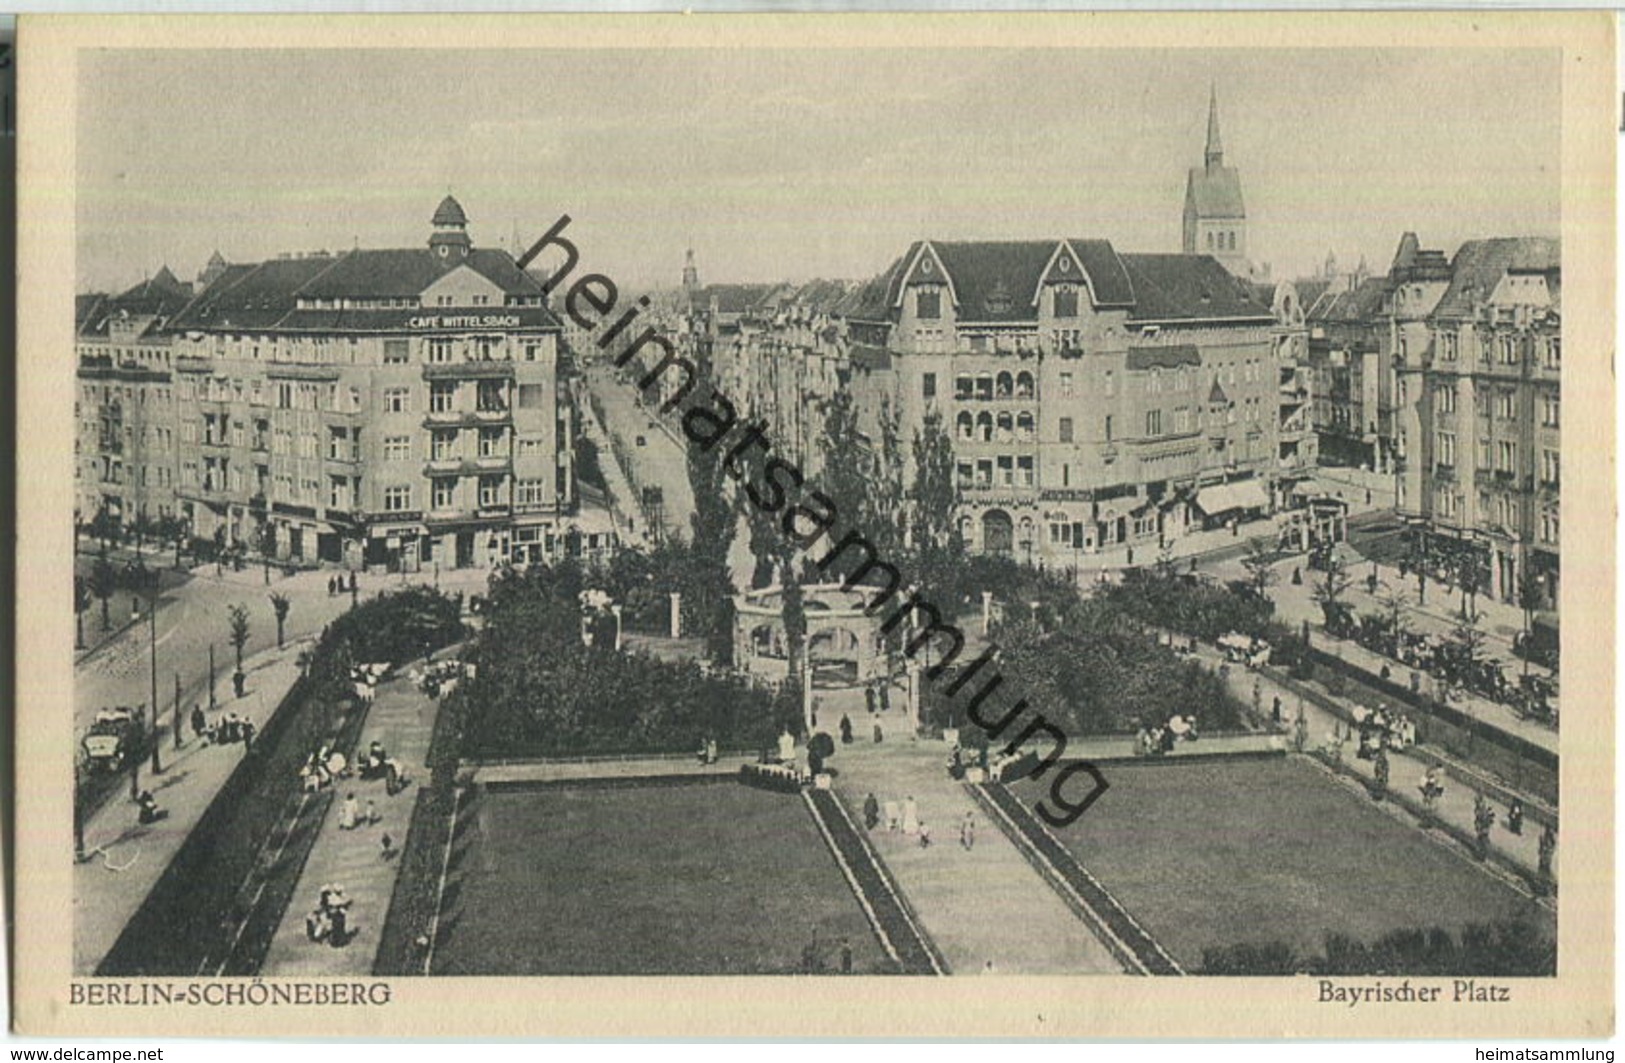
387,408
1094,399
125,441
1478,368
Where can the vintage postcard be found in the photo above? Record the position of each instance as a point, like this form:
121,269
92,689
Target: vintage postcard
805,526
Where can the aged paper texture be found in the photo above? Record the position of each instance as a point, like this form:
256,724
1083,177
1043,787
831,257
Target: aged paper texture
700,526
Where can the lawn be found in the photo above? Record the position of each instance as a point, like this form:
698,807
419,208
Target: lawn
1215,853
704,878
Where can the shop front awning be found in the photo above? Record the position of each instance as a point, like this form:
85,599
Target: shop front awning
1225,498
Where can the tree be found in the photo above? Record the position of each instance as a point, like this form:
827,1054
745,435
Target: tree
267,546
1259,561
1531,597
848,478
104,584
280,606
934,494
1328,591
239,630
709,601
81,602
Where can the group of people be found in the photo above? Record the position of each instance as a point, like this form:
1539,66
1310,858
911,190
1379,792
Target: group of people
330,920
1380,730
336,585
706,754
1160,739
224,731
904,817
379,763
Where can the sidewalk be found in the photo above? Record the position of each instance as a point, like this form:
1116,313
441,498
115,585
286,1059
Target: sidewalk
984,904
402,718
1406,772
127,859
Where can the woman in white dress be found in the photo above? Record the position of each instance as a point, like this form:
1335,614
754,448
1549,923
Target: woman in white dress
349,813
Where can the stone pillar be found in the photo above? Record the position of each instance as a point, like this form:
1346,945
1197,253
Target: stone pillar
616,609
913,673
987,612
806,693
676,615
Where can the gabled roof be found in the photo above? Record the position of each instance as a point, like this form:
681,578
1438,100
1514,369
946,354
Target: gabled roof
735,298
1480,264
251,297
159,297
870,300
1362,305
1170,287
406,272
1215,192
995,280
1216,395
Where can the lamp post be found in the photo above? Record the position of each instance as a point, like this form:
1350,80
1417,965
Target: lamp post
152,648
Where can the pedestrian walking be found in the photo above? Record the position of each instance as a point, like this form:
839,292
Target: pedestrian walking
1275,710
871,812
1515,816
248,735
846,956
925,835
386,847
372,813
869,698
349,813
200,723
846,729
967,831
879,735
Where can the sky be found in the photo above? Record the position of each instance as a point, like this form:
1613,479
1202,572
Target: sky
790,164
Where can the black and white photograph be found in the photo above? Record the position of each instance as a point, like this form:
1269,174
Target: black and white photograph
1070,507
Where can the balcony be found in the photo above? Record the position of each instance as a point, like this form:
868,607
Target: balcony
503,370
301,371
191,363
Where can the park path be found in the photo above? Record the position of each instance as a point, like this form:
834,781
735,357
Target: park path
125,859
402,718
978,905
1406,771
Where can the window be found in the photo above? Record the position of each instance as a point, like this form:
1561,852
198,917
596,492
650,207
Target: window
1446,449
984,472
530,492
1549,411
964,474
966,425
928,304
397,499
1066,302
1506,405
491,440
442,395
1551,465
1548,527
1066,385
964,388
1108,428
1024,470
530,396
397,352
445,493
1486,457
532,351
1066,475
1554,355
1066,429
1153,422
1111,384
284,396
337,444
1447,346
338,492
1508,347
1445,399
928,386
397,400
397,448
1182,419
1507,454
442,445
1007,467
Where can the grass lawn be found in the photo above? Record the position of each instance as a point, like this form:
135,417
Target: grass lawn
709,878
1215,853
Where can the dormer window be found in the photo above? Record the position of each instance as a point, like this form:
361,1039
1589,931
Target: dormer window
1066,302
928,303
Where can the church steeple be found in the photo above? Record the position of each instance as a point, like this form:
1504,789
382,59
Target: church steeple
1214,156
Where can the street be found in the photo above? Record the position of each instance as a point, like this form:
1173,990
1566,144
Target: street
660,462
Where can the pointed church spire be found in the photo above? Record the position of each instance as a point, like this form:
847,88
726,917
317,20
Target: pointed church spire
1215,148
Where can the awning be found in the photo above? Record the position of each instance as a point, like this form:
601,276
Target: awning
1222,498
